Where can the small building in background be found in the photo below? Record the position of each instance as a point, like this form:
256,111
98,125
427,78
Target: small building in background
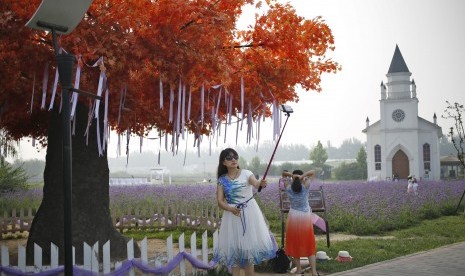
451,168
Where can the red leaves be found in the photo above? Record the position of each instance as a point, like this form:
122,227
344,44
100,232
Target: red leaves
192,41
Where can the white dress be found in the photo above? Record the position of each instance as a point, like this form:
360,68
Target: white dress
245,239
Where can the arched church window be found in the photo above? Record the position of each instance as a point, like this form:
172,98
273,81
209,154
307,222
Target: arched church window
378,157
426,157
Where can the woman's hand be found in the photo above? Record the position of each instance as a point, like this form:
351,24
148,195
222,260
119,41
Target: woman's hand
263,183
236,211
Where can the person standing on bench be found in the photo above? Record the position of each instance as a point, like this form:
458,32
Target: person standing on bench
300,238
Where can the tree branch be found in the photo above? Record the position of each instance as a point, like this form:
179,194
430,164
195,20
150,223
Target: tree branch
244,46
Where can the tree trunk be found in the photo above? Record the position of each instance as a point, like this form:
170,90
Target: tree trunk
91,220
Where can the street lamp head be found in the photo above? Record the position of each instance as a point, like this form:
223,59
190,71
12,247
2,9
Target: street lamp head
60,15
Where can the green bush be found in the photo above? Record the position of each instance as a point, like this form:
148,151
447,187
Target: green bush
12,179
349,171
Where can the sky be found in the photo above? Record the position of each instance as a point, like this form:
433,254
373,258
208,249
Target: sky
430,36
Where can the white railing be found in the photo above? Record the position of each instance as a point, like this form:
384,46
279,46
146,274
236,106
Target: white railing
186,261
128,181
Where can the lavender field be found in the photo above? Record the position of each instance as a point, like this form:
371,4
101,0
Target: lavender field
360,208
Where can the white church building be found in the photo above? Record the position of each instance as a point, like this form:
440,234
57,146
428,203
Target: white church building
401,143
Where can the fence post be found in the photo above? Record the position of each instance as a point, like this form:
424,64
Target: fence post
106,257
194,250
169,248
5,256
130,249
182,248
143,251
22,258
205,247
53,255
94,258
37,258
215,239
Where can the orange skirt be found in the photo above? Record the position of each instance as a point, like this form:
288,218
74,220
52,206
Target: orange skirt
300,238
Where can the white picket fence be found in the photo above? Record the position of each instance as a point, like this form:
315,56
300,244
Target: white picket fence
167,216
91,263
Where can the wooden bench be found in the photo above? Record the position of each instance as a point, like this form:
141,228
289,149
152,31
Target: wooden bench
316,199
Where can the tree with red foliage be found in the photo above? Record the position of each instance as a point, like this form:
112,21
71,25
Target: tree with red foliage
150,50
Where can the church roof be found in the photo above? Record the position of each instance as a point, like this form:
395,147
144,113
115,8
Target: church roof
426,125
398,63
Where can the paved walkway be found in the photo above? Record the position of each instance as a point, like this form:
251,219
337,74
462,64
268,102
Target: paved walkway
447,260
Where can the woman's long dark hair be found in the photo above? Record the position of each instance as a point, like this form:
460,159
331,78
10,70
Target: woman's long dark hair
222,168
296,185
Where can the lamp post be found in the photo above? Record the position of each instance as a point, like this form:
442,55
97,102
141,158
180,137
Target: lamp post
63,16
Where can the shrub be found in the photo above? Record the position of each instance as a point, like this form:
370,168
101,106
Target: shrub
12,179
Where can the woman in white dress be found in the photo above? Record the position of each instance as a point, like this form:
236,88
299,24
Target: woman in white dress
409,184
244,239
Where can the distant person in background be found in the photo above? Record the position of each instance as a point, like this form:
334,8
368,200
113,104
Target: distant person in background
244,238
410,184
415,186
300,238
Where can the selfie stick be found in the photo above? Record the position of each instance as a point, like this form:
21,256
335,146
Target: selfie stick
288,110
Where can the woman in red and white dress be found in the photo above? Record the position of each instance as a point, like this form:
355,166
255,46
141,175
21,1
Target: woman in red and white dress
300,238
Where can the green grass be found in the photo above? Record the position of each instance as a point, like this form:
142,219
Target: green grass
427,235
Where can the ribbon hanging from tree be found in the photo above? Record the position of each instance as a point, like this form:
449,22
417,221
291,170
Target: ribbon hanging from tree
178,114
90,115
118,147
128,137
249,124
183,110
77,80
161,93
258,132
105,121
44,85
276,118
54,89
237,130
75,96
189,104
226,101
122,99
171,104
100,143
159,147
202,103
102,77
242,101
33,88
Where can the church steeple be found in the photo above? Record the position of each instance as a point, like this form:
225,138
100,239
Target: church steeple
398,63
398,84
